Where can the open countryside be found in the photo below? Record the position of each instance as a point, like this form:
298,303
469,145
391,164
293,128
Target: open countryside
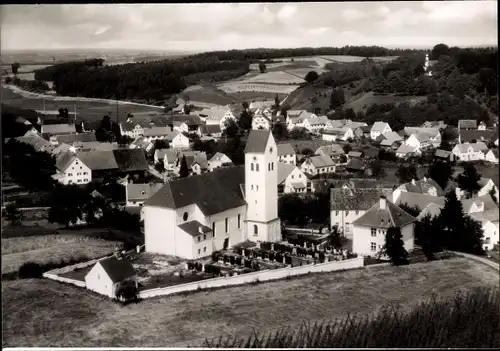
250,197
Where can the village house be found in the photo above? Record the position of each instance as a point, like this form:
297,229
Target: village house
136,193
219,160
370,229
348,204
362,132
196,161
170,159
142,143
155,133
482,126
262,120
159,155
472,136
133,129
38,143
315,124
389,140
486,185
422,186
184,123
334,151
286,153
71,139
492,156
424,135
405,151
291,179
179,141
58,129
379,128
217,115
334,134
317,165
419,141
108,274
489,224
256,105
355,165
296,118
444,155
212,130
467,124
192,217
61,149
470,152
71,170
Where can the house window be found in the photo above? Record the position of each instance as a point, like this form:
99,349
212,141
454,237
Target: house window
86,180
70,174
337,213
347,227
293,177
184,216
199,251
204,236
257,187
205,249
256,167
269,167
374,232
84,173
226,223
272,166
213,228
251,167
357,213
70,182
79,180
251,187
199,238
239,221
346,213
373,246
255,230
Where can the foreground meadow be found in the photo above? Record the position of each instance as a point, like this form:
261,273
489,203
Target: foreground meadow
46,313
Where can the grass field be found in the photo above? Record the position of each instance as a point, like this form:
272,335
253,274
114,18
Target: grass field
370,98
208,94
90,111
250,96
42,313
236,87
278,77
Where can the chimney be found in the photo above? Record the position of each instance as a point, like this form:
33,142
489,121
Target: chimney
200,229
383,202
413,181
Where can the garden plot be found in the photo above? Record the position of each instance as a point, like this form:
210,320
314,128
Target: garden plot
236,87
343,58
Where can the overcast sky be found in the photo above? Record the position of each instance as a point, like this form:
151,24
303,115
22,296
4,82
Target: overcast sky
202,27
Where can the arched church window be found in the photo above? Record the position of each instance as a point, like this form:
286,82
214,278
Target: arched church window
255,229
185,216
271,149
257,187
257,167
251,187
251,166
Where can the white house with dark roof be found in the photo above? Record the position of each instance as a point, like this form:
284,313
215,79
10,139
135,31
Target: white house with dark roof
71,170
155,133
262,120
213,130
217,115
196,162
422,186
286,153
296,118
466,124
58,129
379,128
192,217
349,203
180,141
314,123
108,274
317,165
334,151
136,194
219,160
370,229
333,134
133,129
489,222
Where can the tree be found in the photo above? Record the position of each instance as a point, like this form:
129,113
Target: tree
427,232
184,170
231,129
406,173
63,113
160,167
438,51
187,109
12,214
377,169
307,152
67,203
280,132
161,144
411,210
394,247
127,291
441,173
468,180
245,105
262,67
347,148
311,76
15,67
337,98
276,102
245,120
336,238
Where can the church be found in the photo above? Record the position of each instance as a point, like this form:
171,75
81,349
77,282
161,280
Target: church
194,216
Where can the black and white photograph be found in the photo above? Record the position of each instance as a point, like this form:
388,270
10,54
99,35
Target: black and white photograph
250,175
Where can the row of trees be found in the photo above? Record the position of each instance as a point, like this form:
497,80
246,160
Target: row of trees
35,86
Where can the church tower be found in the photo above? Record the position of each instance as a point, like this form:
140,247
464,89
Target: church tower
427,67
261,187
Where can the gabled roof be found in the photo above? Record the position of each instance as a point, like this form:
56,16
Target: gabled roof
429,131
479,146
285,149
59,128
117,269
335,131
355,199
212,192
355,164
330,150
98,160
218,157
96,145
72,138
494,152
214,113
284,170
193,228
142,192
390,216
419,200
64,160
422,186
257,141
321,161
379,126
129,160
353,125
210,129
194,157
320,120
442,153
467,124
431,209
486,216
61,148
38,143
405,149
336,123
391,136
156,131
486,200
355,154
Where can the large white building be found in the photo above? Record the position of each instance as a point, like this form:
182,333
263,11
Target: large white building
192,217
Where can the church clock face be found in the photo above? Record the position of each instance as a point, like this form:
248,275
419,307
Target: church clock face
255,158
271,149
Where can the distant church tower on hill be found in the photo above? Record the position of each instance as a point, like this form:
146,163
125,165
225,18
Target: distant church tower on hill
427,67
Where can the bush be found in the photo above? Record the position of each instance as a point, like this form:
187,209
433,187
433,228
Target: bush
468,320
30,270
